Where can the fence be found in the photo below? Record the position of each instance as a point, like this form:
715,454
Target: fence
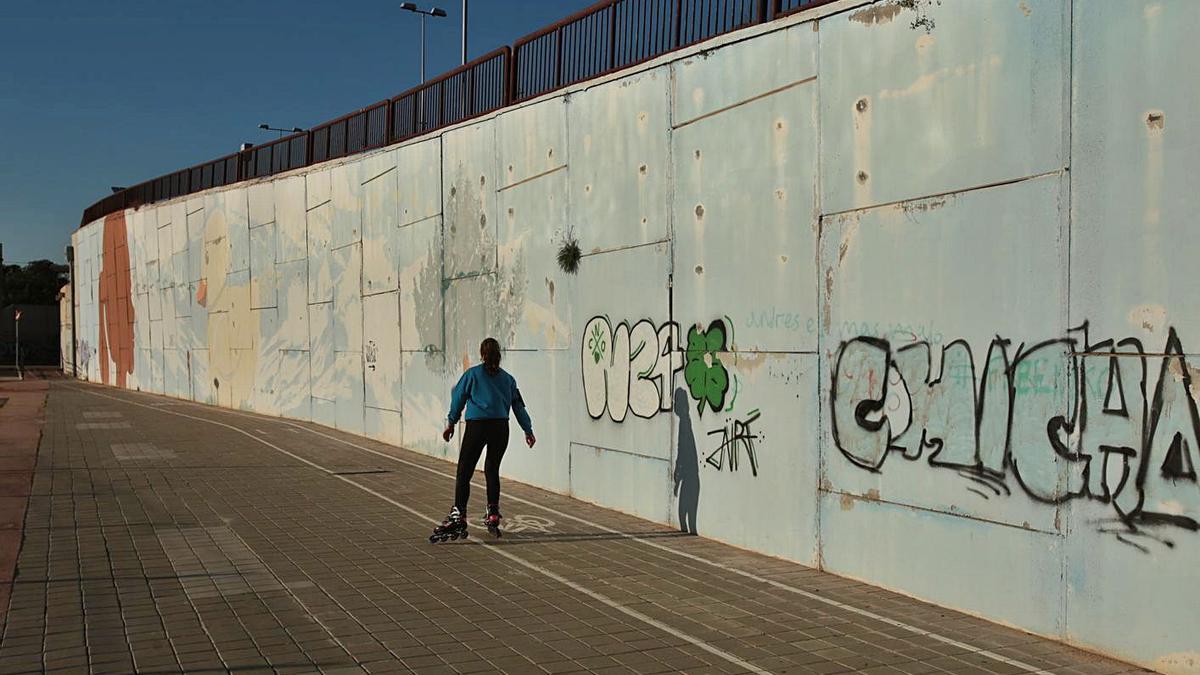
608,36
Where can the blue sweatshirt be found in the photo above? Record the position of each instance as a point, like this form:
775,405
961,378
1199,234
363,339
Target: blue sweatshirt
488,397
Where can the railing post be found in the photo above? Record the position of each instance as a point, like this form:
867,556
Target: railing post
612,36
510,76
469,105
387,124
677,35
558,65
441,104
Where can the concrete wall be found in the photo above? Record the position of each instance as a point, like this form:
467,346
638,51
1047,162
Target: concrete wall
915,307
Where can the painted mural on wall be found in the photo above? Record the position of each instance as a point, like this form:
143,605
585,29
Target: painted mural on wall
1066,419
115,305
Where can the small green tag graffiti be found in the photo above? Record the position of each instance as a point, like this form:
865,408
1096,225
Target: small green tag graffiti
597,344
706,377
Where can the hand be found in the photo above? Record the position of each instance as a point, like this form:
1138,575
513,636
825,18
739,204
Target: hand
448,433
530,440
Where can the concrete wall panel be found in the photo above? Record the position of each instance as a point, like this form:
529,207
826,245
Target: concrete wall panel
260,203
426,401
771,63
746,217
531,141
263,285
419,189
421,294
541,376
625,481
534,295
381,351
346,199
1136,137
619,147
381,246
621,409
999,569
469,193
907,113
940,371
290,219
471,305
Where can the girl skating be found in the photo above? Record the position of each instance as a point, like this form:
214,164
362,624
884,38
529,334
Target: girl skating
488,393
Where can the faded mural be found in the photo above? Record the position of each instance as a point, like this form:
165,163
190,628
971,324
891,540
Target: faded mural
909,305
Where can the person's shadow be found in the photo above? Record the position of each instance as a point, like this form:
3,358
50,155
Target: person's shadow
687,466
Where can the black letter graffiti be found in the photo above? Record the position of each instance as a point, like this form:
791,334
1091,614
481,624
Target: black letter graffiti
1031,418
735,437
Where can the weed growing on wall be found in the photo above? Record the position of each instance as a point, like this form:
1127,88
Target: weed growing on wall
569,255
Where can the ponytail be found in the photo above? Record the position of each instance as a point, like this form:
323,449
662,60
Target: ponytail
489,349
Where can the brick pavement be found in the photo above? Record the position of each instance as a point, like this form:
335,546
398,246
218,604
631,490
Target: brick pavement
163,536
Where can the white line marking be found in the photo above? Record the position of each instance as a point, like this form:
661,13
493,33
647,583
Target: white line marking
683,554
695,558
520,561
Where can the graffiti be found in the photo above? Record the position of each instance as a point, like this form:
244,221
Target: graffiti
1066,422
85,355
371,354
736,438
706,377
895,331
596,344
636,375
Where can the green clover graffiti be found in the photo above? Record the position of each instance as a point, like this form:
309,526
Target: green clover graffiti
704,373
597,343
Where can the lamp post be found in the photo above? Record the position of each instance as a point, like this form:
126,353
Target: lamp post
267,127
464,33
74,339
17,329
432,11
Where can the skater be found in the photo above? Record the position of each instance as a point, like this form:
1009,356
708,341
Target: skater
488,393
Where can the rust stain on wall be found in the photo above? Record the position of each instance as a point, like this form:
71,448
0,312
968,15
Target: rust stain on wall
116,307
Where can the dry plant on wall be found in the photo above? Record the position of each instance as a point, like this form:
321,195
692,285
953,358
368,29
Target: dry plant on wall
569,254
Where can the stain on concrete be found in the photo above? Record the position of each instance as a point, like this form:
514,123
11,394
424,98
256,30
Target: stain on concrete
876,14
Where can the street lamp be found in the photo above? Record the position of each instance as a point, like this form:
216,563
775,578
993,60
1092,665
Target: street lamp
433,11
268,127
464,33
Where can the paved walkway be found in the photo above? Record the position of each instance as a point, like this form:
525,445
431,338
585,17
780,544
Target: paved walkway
164,536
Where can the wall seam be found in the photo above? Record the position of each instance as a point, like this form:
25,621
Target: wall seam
673,425
1069,115
818,549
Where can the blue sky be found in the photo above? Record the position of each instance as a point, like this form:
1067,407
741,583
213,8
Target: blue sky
96,93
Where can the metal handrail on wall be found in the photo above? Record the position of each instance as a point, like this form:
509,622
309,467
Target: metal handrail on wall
601,39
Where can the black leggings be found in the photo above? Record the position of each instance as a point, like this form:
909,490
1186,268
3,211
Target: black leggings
480,433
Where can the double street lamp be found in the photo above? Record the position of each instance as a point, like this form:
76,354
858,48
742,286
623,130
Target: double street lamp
437,12
268,127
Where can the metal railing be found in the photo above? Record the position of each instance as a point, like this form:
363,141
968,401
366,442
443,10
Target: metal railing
606,37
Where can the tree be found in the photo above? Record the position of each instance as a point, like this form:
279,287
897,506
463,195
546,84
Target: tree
37,283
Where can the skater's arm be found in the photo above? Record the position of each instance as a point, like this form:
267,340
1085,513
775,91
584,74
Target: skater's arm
518,408
458,398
